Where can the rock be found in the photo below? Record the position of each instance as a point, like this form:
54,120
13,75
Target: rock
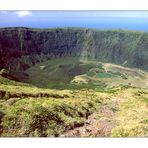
12,101
25,46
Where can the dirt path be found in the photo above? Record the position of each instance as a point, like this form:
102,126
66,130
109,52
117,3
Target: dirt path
123,114
98,124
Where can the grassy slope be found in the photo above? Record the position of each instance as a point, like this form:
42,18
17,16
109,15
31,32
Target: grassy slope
122,114
46,115
57,73
26,110
72,73
132,114
62,111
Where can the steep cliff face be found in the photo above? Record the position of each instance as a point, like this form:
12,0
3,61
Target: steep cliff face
20,48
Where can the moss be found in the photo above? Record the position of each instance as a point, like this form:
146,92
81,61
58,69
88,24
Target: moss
104,75
131,115
48,116
133,131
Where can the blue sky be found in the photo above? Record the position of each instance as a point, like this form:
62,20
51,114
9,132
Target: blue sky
131,20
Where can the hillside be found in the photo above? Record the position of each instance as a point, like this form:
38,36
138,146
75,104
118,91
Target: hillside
73,82
20,48
27,111
69,72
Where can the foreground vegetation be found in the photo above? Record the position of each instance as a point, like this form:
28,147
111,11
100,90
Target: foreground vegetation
31,111
33,115
131,115
74,98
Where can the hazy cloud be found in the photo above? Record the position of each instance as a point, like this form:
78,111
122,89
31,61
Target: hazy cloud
4,12
23,13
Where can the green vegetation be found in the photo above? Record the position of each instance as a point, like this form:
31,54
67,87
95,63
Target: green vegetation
72,73
79,89
30,111
58,73
45,115
60,82
131,115
6,81
115,46
104,75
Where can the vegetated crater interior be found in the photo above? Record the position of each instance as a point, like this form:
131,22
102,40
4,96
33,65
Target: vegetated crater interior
52,57
73,82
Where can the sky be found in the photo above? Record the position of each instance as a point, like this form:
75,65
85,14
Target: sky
129,20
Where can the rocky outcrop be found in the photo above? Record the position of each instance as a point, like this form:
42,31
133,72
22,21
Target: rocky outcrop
20,48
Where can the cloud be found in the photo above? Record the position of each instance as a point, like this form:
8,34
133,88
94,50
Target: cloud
4,12
23,13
